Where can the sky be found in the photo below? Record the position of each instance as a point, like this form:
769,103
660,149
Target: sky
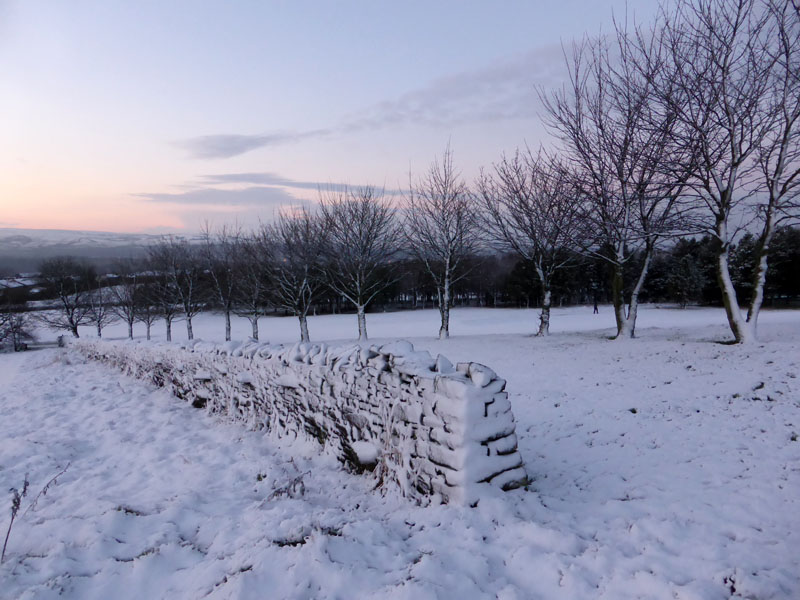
157,116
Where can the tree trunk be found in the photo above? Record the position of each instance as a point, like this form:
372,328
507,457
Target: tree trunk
544,317
618,296
189,331
169,328
304,329
99,330
74,330
130,330
254,325
760,274
227,325
444,330
444,310
147,327
737,324
362,324
629,322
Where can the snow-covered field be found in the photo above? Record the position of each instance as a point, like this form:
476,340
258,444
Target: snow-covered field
663,467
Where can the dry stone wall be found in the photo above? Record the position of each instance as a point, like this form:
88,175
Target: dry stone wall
416,422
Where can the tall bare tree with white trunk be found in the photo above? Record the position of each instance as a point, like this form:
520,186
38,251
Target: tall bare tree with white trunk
296,241
617,136
730,100
778,154
533,211
441,228
362,238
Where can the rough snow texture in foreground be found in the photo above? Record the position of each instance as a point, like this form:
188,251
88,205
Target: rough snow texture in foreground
432,430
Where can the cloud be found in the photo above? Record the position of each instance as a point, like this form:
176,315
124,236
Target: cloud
226,145
229,145
271,179
253,197
196,206
261,189
504,90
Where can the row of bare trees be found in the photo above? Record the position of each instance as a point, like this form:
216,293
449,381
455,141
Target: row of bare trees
688,125
81,297
348,247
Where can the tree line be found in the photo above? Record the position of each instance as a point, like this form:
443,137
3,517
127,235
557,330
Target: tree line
686,127
688,123
229,273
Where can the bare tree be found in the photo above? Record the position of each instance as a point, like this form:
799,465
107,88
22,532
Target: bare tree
5,316
220,252
15,325
184,269
778,154
126,293
441,229
71,282
533,212
160,292
100,310
296,241
362,238
618,136
146,310
723,77
252,273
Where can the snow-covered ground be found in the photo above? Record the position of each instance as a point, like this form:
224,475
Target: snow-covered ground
663,467
425,324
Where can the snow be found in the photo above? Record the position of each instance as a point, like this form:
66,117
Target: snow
441,434
666,466
16,282
367,453
419,324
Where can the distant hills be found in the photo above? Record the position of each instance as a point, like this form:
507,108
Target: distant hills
21,250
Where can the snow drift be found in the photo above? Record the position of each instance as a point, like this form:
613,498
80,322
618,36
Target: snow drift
433,430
